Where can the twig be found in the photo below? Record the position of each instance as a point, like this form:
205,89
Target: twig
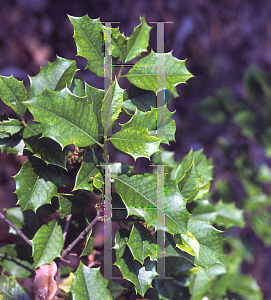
66,228
2,216
81,235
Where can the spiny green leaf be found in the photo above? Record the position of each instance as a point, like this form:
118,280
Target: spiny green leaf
158,121
139,194
140,275
88,170
10,289
65,118
9,127
88,36
118,44
210,239
229,215
13,93
142,99
135,141
54,77
95,96
144,73
44,148
36,183
138,41
142,243
111,107
47,243
89,284
204,167
190,184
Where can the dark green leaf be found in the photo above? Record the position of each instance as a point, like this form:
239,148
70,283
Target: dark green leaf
13,93
88,170
140,275
44,148
115,289
142,99
142,243
72,204
36,183
47,243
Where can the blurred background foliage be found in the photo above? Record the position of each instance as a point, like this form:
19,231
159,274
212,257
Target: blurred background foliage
225,109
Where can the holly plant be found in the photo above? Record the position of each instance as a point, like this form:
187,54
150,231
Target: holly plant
73,135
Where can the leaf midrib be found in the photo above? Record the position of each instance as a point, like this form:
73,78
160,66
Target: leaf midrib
39,107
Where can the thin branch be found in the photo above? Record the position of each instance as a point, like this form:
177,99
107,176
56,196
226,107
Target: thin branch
81,235
66,228
3,217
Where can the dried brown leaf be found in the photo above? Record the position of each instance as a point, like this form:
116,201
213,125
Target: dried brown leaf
45,286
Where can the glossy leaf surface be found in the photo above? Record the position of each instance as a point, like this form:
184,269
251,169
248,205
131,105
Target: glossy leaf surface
140,275
135,141
88,36
46,149
54,77
65,118
112,104
9,127
13,93
36,183
142,244
10,289
138,41
88,170
139,194
92,284
47,243
144,73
